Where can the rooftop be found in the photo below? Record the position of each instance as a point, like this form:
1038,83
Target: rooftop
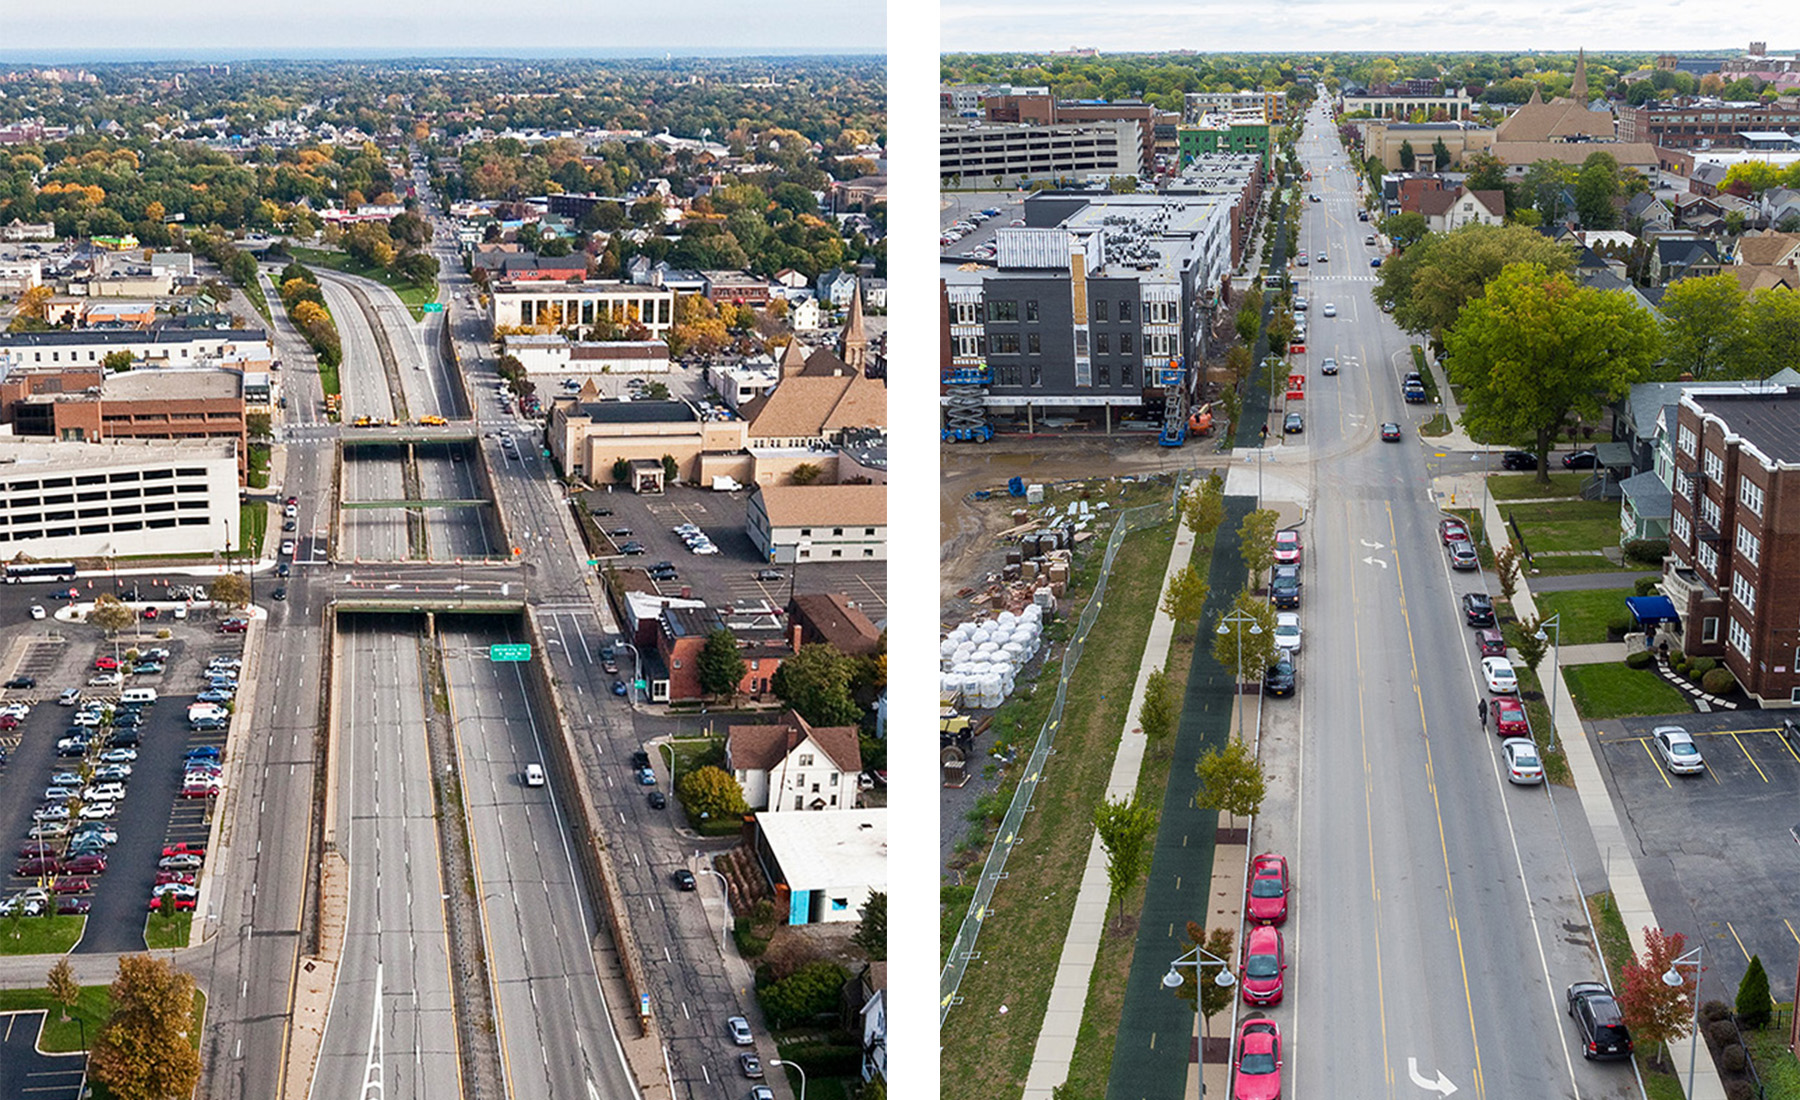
167,383
638,412
1768,422
819,505
828,848
17,455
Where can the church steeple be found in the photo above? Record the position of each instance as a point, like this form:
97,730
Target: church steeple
1578,88
855,351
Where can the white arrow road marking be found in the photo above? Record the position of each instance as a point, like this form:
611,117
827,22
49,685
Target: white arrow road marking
1441,1085
1372,545
1375,561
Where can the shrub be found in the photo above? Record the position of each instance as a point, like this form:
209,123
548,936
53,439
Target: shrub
1637,659
1680,665
825,1059
749,944
1617,626
1647,551
1723,1033
1731,1059
1753,1004
1719,681
803,996
1739,1089
1714,1011
1703,665
1645,586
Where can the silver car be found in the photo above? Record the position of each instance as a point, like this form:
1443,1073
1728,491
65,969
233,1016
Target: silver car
1678,751
1287,631
1523,765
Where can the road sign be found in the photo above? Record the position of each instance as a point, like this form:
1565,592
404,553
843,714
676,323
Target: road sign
434,307
641,685
513,652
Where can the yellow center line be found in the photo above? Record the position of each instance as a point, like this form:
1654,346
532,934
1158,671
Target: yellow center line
1740,941
1437,810
1747,756
1362,728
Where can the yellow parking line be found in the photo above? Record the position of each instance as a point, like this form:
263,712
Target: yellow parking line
1784,743
1740,941
1752,759
1790,929
1654,761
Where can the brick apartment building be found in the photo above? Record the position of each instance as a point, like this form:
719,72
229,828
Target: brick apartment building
1734,536
92,405
1703,123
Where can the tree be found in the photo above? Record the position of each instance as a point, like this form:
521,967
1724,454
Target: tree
1231,780
816,682
1125,829
143,1050
1204,508
257,425
1200,989
1186,595
1405,230
1234,637
712,793
804,996
1257,540
1407,156
1546,183
804,473
1537,347
1157,713
1656,1013
1595,187
621,470
1487,172
1506,565
230,590
111,614
65,990
1428,285
721,666
1440,155
1531,651
1754,1005
1772,320
117,360
871,931
1705,330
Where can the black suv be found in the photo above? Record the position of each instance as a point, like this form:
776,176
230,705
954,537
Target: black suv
1518,460
1478,609
1279,680
1284,586
1597,1017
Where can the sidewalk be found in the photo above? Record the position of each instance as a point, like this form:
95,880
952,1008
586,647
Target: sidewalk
1074,969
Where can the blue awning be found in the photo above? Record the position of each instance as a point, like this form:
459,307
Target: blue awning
1649,610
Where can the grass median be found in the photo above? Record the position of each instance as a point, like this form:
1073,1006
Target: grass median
990,1037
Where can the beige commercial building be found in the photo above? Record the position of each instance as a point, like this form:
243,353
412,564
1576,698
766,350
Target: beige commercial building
806,523
588,436
121,497
551,305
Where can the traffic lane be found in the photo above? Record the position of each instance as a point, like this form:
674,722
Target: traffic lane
27,1073
364,384
1714,849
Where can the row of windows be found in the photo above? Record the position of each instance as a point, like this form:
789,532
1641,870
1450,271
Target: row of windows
806,554
1744,591
114,528
192,492
101,479
837,532
75,357
15,518
1005,310
1101,375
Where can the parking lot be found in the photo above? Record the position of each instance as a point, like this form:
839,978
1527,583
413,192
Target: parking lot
729,576
25,1072
150,813
959,206
1715,850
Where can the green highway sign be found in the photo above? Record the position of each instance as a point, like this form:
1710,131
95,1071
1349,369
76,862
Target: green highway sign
641,685
434,307
512,652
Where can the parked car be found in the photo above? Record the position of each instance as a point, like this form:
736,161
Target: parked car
751,1065
1284,586
1287,547
1264,961
1598,1021
20,683
1287,631
1491,642
1279,679
646,777
184,862
1293,424
684,880
1581,460
1452,530
1258,1060
1478,609
1518,460
1677,749
69,906
1464,556
1266,900
1499,674
1510,720
739,1029
1523,765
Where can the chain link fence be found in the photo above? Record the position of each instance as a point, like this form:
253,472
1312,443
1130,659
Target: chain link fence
962,952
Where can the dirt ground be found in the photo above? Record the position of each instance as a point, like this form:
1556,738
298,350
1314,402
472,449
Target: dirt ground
967,552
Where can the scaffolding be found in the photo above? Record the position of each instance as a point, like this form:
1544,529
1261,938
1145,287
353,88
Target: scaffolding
965,405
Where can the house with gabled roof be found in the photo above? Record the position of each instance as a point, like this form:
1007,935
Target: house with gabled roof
1681,258
1448,211
790,765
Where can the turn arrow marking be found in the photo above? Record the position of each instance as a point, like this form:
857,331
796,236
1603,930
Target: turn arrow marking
1372,545
1442,1085
1376,561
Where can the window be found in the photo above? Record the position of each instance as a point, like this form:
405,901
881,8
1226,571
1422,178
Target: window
1102,343
1709,558
804,760
1749,545
1003,311
1709,631
1743,591
1124,374
1032,343
1750,495
1715,466
1100,309
1103,375
1037,374
968,347
1740,638
1124,343
837,532
1682,528
965,313
1124,311
1004,343
1008,376
1709,513
1031,310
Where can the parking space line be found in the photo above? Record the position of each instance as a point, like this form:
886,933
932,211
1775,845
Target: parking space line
1747,756
1790,929
1784,744
1645,742
1739,939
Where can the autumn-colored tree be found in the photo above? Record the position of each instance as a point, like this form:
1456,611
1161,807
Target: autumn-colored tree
111,614
1658,1013
230,590
62,986
1199,985
144,1050
712,793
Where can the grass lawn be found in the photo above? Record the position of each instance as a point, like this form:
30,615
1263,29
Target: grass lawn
1569,565
1526,487
169,931
1567,524
1779,1070
1660,1083
1436,426
39,935
413,296
253,290
253,525
1615,691
1537,712
984,1053
1584,612
1091,1067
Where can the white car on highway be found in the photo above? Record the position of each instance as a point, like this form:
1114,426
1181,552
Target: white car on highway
1501,679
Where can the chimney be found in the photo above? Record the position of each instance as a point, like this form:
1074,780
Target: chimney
794,644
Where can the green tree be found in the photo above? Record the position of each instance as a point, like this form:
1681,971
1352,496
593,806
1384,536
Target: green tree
1257,540
1199,986
230,590
1525,641
1656,1013
1705,331
1231,780
1595,187
721,666
1537,347
1405,230
1185,596
712,793
1754,1005
1407,156
871,930
1125,829
1440,154
1772,321
117,360
111,614
816,682
257,425
1487,172
143,1051
65,990
805,996
1428,285
1157,713
1204,508
1234,636
1546,183
805,473
621,471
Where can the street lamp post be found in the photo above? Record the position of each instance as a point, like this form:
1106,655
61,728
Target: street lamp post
1238,619
724,891
796,1067
1673,979
1554,622
1198,958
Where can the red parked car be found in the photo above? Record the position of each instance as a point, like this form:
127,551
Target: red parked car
1258,1061
180,878
84,865
1453,530
1509,716
106,664
1268,902
1491,642
72,886
1264,961
184,848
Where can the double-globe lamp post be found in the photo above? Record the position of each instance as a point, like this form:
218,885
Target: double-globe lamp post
1239,619
1554,622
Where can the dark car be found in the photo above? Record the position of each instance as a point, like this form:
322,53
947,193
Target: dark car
640,759
36,866
124,739
1414,394
1284,586
1491,642
1598,1019
1478,609
22,682
684,880
1581,460
1463,556
68,906
632,548
1518,460
282,570
618,688
1279,680
658,800
620,532
770,575
1293,423
1390,432
278,594
600,512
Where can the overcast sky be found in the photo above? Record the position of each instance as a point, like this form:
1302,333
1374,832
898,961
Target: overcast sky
210,29
1357,25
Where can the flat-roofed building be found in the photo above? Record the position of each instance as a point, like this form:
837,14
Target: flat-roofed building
72,500
1006,154
823,866
588,436
94,405
551,305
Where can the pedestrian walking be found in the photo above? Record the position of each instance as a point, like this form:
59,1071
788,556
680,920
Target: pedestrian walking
1481,708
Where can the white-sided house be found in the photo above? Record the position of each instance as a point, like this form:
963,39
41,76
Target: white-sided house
790,765
822,867
790,523
804,314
